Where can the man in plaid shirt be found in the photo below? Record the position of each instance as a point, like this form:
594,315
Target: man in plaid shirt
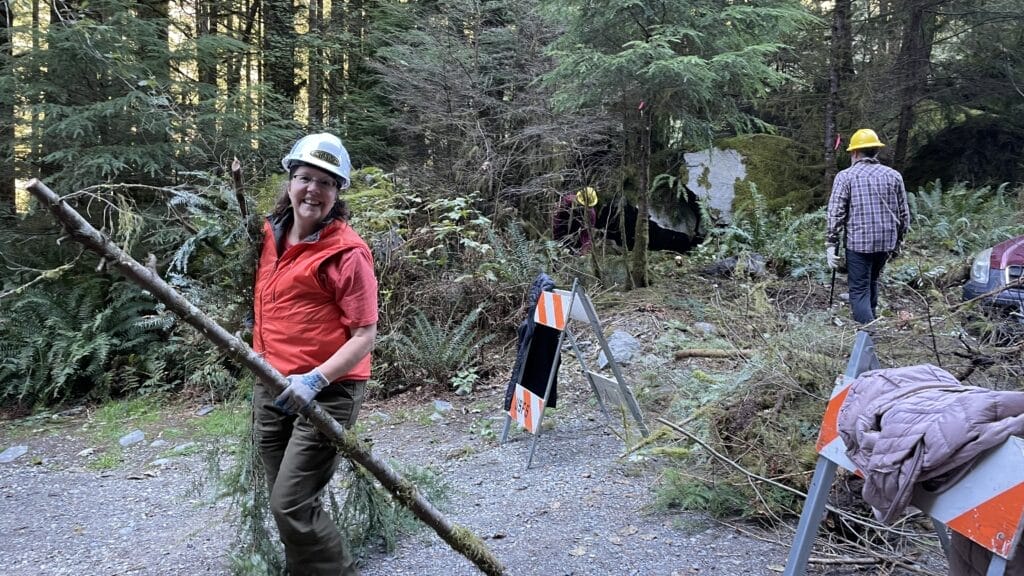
869,203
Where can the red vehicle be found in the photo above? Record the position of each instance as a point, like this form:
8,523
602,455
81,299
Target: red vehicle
1000,266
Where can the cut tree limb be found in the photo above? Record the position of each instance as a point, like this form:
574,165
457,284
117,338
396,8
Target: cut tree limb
711,353
459,538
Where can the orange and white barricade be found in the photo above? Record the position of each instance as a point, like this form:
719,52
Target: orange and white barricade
830,445
526,409
986,505
555,309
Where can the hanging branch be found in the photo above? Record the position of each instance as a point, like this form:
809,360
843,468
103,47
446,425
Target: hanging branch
458,537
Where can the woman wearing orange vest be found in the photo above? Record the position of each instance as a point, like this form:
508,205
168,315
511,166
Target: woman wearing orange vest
316,321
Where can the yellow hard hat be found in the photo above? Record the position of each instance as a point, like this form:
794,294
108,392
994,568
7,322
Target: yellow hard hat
587,197
864,138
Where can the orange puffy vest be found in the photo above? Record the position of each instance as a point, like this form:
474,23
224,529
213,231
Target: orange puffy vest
298,323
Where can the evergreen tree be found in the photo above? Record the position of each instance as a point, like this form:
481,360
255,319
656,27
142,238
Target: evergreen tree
356,105
472,116
102,102
675,72
983,67
278,65
840,69
912,68
7,97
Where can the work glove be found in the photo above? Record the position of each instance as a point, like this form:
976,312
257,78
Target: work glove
832,256
301,390
895,252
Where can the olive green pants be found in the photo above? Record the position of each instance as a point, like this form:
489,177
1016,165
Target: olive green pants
299,462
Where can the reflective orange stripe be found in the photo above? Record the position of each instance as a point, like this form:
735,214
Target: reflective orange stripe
830,424
526,408
550,310
542,310
994,523
559,311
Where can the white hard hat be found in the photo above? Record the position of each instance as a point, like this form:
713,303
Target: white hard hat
324,151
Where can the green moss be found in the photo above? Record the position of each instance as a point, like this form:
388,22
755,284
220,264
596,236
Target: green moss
117,418
784,171
227,421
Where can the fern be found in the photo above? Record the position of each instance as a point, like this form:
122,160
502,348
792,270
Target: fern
439,352
95,336
516,260
791,243
962,220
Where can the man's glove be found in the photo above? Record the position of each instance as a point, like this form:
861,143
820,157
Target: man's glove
301,390
832,256
895,252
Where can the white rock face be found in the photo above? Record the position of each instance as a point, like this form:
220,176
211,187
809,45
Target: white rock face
713,175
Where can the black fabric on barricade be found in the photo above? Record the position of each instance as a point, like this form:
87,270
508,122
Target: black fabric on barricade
538,368
542,358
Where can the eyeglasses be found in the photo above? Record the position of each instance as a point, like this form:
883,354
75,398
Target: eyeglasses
306,180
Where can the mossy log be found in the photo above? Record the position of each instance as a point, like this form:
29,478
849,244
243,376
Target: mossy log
459,538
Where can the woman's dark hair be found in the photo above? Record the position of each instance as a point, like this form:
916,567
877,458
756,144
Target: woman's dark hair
283,204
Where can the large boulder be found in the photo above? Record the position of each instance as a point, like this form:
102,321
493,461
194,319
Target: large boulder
783,171
981,151
723,177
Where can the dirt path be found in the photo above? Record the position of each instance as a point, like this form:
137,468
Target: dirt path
580,509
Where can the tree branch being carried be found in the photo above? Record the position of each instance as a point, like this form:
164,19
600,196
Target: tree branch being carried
458,537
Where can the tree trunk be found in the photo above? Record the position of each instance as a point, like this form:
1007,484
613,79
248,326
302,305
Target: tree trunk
6,110
643,177
41,146
315,67
336,85
206,26
36,120
155,12
839,67
458,537
911,70
279,60
357,32
207,61
245,28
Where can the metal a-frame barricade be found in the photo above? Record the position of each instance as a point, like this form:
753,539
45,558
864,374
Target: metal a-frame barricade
555,309
986,505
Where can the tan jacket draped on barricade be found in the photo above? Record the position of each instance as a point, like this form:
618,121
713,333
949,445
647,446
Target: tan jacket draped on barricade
902,426
919,425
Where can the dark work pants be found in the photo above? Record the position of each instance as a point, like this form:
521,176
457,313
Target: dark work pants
299,462
863,270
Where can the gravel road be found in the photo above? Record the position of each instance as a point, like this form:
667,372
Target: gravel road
580,509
